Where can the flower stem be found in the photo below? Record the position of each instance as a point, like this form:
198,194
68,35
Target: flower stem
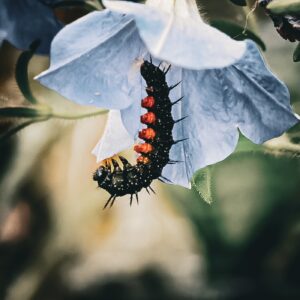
78,116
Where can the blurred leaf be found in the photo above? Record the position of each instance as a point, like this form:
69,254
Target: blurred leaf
22,72
296,55
284,7
239,2
202,182
87,5
237,32
294,134
245,145
13,130
25,112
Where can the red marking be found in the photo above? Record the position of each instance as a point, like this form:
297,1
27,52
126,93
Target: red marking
148,118
148,102
143,160
147,134
143,148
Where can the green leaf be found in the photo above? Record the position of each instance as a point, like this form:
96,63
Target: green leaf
284,7
245,145
239,2
88,6
237,32
202,183
25,112
21,72
296,55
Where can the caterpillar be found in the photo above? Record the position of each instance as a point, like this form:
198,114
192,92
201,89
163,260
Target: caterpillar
116,175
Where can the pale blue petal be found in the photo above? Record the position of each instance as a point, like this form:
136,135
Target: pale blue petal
260,101
24,21
211,134
131,115
115,137
217,103
185,42
92,60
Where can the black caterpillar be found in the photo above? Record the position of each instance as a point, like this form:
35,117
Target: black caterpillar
154,153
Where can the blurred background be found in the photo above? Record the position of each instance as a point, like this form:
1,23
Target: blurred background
56,242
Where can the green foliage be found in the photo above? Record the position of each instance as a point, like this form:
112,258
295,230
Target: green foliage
239,2
237,32
294,134
296,55
39,113
21,72
255,205
25,112
204,179
284,7
202,182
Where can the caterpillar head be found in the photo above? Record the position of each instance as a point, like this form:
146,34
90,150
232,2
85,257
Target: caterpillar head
100,174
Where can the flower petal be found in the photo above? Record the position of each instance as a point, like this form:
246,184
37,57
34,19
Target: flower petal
210,134
260,101
115,137
25,21
183,8
91,60
185,42
218,102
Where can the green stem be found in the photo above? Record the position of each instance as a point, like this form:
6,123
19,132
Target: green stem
249,12
41,114
79,116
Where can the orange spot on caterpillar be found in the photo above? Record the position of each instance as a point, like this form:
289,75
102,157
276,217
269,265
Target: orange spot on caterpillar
143,160
148,118
147,134
143,148
148,102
